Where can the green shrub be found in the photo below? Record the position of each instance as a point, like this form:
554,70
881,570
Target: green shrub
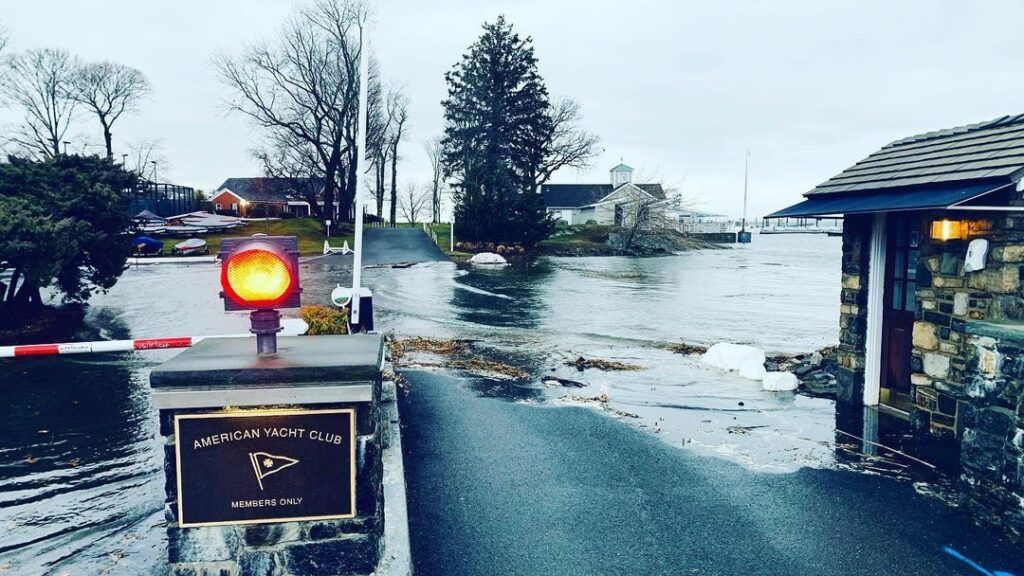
324,320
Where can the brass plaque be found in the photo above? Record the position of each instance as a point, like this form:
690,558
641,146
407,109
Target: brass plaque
265,466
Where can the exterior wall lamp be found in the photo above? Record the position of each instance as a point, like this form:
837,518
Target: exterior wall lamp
944,229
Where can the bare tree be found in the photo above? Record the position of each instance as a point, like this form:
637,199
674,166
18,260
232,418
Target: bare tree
144,156
398,105
641,215
435,153
296,161
302,90
571,146
371,189
4,40
40,82
647,210
108,90
413,202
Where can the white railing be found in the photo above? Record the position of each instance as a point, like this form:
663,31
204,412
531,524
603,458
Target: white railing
707,227
812,229
430,232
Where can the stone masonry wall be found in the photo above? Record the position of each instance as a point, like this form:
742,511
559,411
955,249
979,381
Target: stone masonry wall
969,363
853,309
948,301
313,548
967,360
991,424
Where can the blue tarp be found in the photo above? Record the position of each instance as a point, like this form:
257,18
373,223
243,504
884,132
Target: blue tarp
147,245
922,197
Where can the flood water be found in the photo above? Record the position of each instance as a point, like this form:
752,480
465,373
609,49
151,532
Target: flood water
81,483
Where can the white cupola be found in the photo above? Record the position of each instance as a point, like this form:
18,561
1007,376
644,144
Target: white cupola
621,174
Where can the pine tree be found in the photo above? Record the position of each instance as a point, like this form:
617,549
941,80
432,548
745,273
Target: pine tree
64,225
497,133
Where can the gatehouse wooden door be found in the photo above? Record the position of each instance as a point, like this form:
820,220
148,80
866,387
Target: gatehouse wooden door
900,300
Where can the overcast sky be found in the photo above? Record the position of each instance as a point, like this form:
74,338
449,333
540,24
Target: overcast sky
680,89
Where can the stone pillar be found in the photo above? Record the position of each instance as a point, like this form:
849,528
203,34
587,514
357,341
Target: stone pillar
853,309
224,377
991,426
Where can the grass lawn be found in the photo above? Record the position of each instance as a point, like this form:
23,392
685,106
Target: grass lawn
565,238
311,239
444,241
578,236
444,235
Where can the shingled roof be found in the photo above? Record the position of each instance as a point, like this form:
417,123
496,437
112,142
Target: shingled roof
576,195
990,150
273,190
934,170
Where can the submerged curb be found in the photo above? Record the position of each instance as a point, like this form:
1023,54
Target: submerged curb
396,557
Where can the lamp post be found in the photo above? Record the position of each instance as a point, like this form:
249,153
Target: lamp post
153,162
66,147
124,161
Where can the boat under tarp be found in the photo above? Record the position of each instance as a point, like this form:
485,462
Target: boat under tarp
185,231
146,246
191,247
149,223
148,216
211,222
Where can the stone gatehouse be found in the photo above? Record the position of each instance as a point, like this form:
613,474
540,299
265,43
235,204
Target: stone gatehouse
932,300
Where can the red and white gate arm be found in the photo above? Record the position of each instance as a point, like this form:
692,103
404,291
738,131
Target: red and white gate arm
99,346
291,327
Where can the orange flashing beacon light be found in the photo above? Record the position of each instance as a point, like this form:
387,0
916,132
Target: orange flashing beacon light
261,273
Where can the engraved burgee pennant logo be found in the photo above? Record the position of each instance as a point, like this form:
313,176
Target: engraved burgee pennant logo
264,464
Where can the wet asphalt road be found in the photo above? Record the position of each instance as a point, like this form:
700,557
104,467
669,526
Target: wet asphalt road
390,246
496,487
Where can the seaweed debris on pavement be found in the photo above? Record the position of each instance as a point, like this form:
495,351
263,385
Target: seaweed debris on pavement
600,402
400,346
582,364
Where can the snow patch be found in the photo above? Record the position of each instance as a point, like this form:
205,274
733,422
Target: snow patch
488,258
752,370
780,381
747,360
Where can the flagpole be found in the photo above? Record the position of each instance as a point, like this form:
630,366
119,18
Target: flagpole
357,263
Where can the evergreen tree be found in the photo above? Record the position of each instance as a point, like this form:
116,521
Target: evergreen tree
63,224
498,130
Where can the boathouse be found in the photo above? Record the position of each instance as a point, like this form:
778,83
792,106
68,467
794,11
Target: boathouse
607,204
932,305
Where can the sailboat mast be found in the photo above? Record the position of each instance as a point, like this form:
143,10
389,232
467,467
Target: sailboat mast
746,174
